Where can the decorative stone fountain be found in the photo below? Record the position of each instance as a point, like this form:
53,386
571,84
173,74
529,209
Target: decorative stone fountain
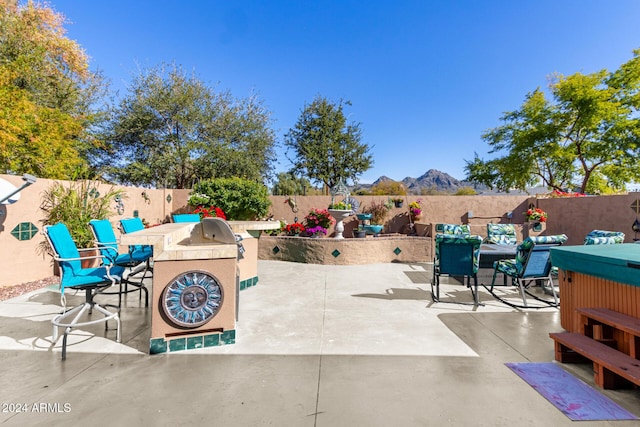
340,214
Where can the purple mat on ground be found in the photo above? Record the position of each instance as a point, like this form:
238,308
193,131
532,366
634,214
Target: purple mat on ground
576,399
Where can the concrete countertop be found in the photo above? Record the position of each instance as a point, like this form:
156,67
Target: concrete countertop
179,241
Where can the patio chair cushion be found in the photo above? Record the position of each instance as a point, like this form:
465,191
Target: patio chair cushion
73,275
454,229
501,234
475,241
515,267
108,245
129,225
193,217
604,237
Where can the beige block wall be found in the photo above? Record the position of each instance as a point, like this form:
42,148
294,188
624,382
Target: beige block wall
23,262
575,217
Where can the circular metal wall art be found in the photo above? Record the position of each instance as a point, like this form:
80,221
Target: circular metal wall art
192,298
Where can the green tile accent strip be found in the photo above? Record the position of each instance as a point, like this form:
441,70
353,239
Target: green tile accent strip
157,345
247,283
228,337
275,250
335,253
212,340
177,344
194,342
24,231
397,251
160,345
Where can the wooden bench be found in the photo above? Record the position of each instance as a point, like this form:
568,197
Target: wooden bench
613,328
610,366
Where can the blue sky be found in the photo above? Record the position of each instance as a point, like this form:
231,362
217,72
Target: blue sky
425,78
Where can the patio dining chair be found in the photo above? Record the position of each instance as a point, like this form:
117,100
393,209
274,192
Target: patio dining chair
73,276
130,225
135,260
186,217
501,234
532,264
456,255
604,237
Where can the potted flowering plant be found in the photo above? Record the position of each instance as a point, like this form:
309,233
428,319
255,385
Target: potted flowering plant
294,229
340,206
316,231
378,211
318,217
415,208
397,202
536,215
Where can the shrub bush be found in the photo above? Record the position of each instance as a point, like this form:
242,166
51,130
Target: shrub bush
240,199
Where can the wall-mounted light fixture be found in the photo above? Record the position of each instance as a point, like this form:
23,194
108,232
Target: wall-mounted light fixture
12,191
636,229
169,198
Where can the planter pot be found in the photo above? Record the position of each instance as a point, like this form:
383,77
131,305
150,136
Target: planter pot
373,229
359,233
340,215
398,204
533,228
90,262
364,217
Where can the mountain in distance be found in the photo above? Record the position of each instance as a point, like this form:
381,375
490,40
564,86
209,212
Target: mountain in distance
432,180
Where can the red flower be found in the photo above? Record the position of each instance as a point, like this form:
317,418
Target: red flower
293,229
210,212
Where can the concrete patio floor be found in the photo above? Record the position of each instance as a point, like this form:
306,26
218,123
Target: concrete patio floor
316,345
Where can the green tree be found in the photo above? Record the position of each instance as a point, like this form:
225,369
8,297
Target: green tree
466,191
586,138
388,188
324,147
287,184
171,130
46,94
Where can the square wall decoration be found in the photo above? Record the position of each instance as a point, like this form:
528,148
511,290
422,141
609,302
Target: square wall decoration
24,231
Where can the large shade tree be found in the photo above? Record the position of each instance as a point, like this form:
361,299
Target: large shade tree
46,94
323,147
171,130
287,184
585,138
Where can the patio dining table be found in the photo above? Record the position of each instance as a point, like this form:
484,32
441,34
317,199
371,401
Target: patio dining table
489,253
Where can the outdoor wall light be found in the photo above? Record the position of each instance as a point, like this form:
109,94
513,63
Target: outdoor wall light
636,228
12,191
169,198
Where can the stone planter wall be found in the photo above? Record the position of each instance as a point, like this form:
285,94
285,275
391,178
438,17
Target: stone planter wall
369,250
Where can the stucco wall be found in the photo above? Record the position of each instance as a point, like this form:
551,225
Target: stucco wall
21,261
577,216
